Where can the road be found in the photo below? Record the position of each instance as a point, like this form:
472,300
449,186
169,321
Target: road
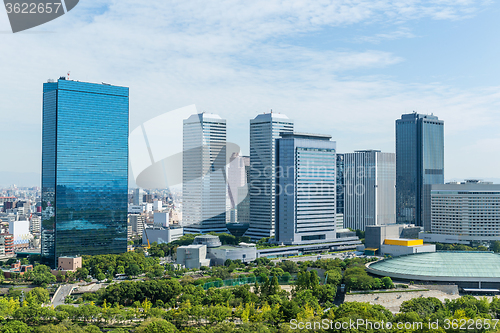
64,291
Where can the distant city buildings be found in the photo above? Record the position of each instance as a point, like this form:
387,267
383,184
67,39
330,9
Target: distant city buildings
305,188
264,130
203,174
84,143
419,164
369,196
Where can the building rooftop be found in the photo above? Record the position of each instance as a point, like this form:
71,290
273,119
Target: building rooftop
368,151
297,135
268,116
437,266
415,115
204,117
192,246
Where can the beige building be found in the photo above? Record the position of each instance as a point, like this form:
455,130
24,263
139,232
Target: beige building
69,263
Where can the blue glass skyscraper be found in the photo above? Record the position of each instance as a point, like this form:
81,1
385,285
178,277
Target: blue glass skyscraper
419,164
84,169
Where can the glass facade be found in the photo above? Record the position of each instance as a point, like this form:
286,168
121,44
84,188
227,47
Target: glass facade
340,184
419,164
84,169
264,130
305,189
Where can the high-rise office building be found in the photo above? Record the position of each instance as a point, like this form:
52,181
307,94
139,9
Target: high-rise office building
236,186
204,174
236,177
138,197
306,189
84,169
370,193
419,164
264,130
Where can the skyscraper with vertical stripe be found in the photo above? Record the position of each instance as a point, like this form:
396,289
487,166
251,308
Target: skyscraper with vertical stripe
203,174
264,130
370,193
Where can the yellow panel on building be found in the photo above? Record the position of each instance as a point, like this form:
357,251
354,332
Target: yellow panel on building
404,242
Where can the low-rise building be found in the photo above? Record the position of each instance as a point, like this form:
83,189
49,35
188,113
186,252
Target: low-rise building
375,235
244,252
67,264
192,256
403,246
17,268
161,235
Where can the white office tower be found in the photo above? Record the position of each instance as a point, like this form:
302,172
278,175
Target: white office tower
203,174
138,196
236,184
235,177
264,130
370,189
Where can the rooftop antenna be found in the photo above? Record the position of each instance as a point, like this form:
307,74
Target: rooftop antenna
68,75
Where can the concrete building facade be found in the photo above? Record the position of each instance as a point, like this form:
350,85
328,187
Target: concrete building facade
370,189
306,189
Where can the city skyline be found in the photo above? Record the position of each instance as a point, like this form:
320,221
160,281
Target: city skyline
346,74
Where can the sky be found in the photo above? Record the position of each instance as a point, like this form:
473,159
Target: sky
344,68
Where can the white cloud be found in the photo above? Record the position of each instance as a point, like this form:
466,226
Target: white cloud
375,39
235,58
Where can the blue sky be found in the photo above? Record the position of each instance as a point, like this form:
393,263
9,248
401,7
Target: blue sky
345,68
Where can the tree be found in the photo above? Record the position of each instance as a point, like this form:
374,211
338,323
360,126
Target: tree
423,306
334,277
41,274
495,246
155,325
133,270
41,295
15,326
289,266
387,282
314,280
326,293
